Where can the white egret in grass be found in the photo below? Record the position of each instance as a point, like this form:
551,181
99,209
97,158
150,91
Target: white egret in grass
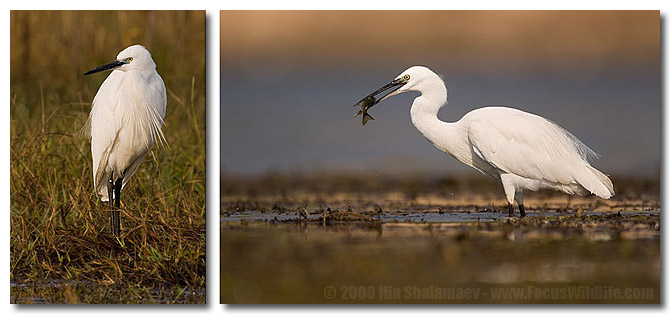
125,120
522,150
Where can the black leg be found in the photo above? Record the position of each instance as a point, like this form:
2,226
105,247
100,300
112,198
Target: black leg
522,211
110,197
511,210
116,228
117,193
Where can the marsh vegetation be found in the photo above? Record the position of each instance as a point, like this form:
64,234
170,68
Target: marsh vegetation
61,248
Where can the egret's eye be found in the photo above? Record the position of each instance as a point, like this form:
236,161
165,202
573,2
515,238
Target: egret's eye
129,59
406,77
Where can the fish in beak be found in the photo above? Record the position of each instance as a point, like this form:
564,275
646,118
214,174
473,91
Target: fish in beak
370,100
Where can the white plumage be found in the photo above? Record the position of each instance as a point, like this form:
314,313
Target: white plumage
522,150
126,118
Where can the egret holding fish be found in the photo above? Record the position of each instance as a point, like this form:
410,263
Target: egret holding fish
125,121
522,150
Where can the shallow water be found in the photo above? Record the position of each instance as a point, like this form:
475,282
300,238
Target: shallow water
433,217
476,257
375,240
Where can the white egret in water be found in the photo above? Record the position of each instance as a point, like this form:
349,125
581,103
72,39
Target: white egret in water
125,120
522,150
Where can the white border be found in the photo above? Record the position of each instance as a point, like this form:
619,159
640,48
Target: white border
213,128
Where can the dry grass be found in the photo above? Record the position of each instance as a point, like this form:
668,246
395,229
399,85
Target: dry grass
61,249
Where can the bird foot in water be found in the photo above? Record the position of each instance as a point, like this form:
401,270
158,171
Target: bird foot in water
522,211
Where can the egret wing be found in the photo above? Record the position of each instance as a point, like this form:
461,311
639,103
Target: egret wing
528,145
129,107
105,123
143,106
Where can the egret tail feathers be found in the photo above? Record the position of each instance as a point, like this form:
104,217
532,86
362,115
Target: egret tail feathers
597,183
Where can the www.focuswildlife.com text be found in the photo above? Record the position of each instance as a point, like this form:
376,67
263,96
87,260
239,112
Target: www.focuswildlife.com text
382,293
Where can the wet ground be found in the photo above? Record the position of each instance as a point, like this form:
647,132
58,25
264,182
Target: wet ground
82,291
331,246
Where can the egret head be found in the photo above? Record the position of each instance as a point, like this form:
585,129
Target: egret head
135,57
416,78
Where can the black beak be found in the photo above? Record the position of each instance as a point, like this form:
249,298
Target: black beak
390,87
109,66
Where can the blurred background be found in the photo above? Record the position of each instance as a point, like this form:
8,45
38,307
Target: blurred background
289,80
57,47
